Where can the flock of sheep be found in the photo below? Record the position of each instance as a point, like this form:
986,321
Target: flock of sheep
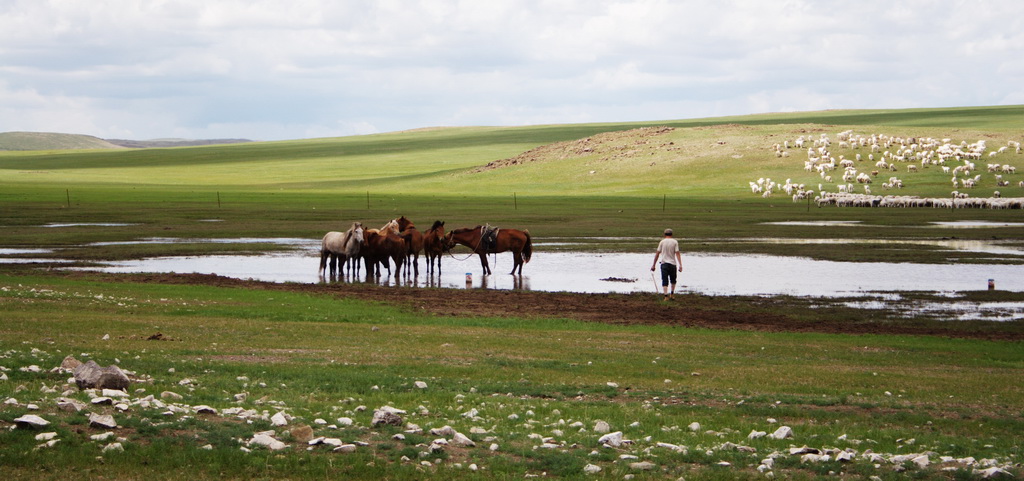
872,155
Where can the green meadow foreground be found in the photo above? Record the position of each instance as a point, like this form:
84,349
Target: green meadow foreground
243,380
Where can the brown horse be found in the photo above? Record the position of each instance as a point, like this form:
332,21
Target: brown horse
517,241
414,242
378,247
434,245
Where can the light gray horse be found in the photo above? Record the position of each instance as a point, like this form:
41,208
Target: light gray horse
343,247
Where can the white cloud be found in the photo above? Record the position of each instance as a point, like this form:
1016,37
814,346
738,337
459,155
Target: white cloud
294,68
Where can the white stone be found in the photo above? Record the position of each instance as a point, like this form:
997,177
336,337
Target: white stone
279,419
493,447
102,421
994,472
755,434
344,421
443,431
611,439
921,461
31,421
45,436
115,393
694,426
612,385
345,448
462,440
113,447
643,466
591,469
782,433
420,385
173,396
102,437
263,439
204,409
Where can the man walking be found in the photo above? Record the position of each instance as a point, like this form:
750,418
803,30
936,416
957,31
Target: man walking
671,261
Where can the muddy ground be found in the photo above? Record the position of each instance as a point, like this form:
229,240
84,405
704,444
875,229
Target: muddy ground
690,310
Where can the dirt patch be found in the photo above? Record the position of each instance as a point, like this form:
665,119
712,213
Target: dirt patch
628,143
691,310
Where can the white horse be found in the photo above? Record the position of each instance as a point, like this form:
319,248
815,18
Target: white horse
343,246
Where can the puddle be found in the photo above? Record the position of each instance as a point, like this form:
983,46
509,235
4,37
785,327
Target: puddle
820,223
714,274
955,311
17,251
87,224
286,241
975,224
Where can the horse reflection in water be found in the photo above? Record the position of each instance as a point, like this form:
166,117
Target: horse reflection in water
519,283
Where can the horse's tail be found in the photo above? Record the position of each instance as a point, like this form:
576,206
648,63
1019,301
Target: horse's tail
528,248
323,259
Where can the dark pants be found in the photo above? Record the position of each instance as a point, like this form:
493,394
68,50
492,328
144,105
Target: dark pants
668,273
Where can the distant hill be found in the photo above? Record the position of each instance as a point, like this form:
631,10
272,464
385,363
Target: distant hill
146,144
51,141
57,141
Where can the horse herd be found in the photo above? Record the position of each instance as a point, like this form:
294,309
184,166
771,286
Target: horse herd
399,242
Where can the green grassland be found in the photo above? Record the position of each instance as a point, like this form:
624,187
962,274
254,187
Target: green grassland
327,356
313,356
694,177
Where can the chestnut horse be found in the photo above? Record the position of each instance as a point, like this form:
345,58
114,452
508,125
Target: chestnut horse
378,247
434,245
414,242
517,241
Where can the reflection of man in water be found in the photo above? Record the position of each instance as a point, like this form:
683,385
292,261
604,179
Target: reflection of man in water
671,261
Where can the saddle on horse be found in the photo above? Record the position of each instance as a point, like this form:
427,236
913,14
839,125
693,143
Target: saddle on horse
489,237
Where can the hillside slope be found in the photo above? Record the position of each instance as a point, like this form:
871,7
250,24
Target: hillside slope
51,141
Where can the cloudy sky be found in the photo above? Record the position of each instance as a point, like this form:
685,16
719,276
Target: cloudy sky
286,69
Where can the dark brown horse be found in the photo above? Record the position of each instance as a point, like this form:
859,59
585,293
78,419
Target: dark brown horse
517,241
434,245
378,247
413,240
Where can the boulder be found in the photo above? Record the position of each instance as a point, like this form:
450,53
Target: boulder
91,376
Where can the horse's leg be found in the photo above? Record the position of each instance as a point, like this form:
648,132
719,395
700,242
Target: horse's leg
517,262
484,265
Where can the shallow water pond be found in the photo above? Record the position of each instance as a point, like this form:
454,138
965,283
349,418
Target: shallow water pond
715,274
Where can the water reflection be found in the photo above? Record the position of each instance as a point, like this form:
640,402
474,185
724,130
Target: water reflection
712,274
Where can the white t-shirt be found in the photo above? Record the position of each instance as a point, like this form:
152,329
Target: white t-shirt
667,249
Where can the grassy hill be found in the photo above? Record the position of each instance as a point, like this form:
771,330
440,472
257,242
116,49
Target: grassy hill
713,158
51,141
